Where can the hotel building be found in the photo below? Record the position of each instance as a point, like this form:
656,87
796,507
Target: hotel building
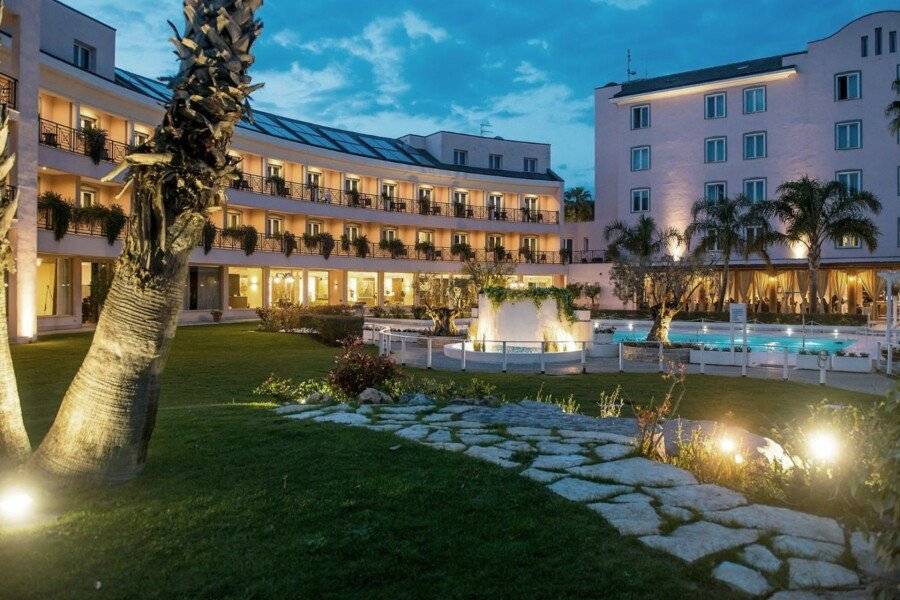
664,142
433,199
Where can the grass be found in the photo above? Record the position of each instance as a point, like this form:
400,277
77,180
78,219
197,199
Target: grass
235,503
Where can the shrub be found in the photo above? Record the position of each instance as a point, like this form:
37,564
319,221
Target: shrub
59,212
397,312
329,326
442,391
650,417
356,369
113,223
94,143
567,405
208,236
609,404
419,312
335,329
287,390
246,235
395,247
288,243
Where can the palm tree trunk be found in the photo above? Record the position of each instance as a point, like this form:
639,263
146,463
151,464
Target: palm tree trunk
813,286
14,444
723,288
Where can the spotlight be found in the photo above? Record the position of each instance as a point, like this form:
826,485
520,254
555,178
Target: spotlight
727,445
823,446
16,505
738,459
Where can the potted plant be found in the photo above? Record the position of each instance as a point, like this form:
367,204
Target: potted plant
345,242
527,253
807,359
353,195
288,243
216,315
249,239
58,212
603,345
113,223
277,185
208,236
326,244
565,255
426,248
395,247
94,143
310,240
424,206
361,245
499,253
463,250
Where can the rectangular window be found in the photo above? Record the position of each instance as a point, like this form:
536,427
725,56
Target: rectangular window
848,241
530,204
202,292
351,184
892,41
864,46
86,121
495,202
244,288
139,138
715,106
461,198
716,150
389,190
313,179
425,194
585,244
83,56
847,86
715,191
495,161
754,145
640,200
460,157
87,197
351,231
752,233
460,238
530,243
494,241
53,286
848,135
313,227
851,180
388,235
425,237
877,41
754,100
530,165
640,158
755,189
274,170
640,116
232,219
274,226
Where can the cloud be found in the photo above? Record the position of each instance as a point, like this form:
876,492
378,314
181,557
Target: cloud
417,27
624,4
540,43
528,73
297,89
286,38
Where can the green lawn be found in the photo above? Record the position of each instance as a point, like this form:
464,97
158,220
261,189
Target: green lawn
236,503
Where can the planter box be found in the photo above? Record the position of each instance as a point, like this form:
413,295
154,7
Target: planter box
651,354
722,358
852,364
809,361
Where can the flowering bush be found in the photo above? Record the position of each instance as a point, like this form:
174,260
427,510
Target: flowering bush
356,369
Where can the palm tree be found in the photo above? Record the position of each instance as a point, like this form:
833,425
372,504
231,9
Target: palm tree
893,110
814,213
639,243
721,226
579,204
108,414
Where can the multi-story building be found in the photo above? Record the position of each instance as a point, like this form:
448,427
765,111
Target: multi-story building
747,127
393,207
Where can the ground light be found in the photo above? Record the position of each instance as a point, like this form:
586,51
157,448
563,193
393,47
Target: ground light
822,446
727,445
16,505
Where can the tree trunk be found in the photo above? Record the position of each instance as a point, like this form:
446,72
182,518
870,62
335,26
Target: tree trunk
723,287
662,322
14,444
443,320
813,286
108,413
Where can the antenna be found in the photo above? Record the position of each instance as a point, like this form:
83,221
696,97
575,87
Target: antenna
628,72
485,127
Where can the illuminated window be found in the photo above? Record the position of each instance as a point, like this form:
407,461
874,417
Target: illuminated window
87,197
244,288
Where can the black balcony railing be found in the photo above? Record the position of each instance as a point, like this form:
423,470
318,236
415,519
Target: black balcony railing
9,91
66,138
588,256
304,192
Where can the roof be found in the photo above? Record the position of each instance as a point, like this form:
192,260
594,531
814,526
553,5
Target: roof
699,76
329,138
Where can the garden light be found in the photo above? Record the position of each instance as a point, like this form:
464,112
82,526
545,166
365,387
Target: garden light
727,445
16,505
738,459
823,446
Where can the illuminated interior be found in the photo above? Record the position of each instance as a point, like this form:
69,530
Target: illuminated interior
244,287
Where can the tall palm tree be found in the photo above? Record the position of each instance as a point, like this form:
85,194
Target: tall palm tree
893,110
722,229
640,243
813,213
579,204
108,414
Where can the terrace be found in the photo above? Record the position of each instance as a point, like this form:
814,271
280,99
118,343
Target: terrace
63,137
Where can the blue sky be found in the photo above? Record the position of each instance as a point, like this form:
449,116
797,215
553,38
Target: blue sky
529,67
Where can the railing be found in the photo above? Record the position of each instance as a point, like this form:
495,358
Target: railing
65,138
9,91
7,192
588,256
309,193
76,226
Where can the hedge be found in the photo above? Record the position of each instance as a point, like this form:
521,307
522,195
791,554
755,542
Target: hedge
331,329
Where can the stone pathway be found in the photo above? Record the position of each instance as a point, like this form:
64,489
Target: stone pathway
756,549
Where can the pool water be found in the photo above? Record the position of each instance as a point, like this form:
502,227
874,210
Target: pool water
758,342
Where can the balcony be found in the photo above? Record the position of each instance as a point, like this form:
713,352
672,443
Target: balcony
322,195
9,91
56,135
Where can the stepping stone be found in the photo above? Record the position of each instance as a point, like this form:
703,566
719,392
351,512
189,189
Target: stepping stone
520,431
384,427
451,446
806,548
473,431
441,436
804,573
558,448
310,414
780,520
409,410
342,407
399,424
462,424
636,471
455,409
343,418
760,557
631,498
597,436
675,512
742,579
539,475
416,432
290,409
693,542
515,446
613,451
704,497
634,518
479,439
539,438
579,490
498,456
365,409
558,461
398,417
436,417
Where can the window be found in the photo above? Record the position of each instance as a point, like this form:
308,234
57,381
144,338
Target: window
83,56
755,100
203,289
460,237
864,46
877,41
848,241
274,170
716,150
389,190
715,106
351,230
892,41
848,135
715,191
530,243
530,204
640,200
351,184
86,121
851,180
640,158
494,241
495,161
495,202
460,157
752,233
425,237
530,165
754,145
847,86
87,197
640,116
389,235
313,227
425,194
53,286
755,189
461,198
274,226
313,178
585,244
139,138
244,289
232,219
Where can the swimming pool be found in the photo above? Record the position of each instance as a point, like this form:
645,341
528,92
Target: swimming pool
760,342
